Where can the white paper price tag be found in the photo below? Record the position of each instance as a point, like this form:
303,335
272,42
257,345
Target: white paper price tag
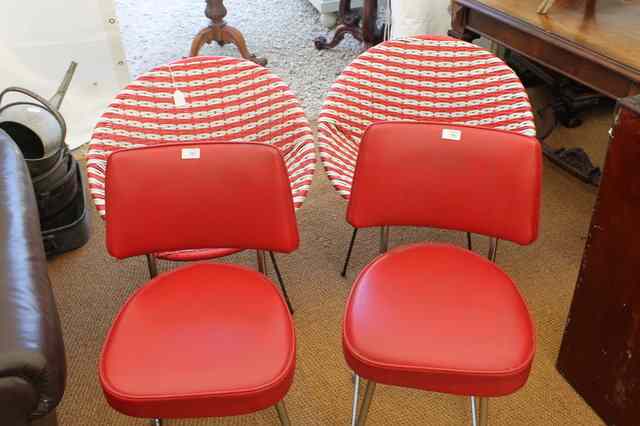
179,98
451,134
190,153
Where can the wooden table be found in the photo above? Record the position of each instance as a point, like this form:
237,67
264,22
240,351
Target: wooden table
221,33
599,47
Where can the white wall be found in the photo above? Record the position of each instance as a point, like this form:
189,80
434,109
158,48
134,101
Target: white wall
40,38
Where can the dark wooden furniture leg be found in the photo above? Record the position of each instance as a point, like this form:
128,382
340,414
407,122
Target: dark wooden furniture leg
371,33
600,353
221,33
459,28
350,24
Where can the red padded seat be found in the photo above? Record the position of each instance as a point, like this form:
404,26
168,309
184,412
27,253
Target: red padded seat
204,340
440,318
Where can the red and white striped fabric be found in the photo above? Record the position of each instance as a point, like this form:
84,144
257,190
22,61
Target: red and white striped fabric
427,78
227,99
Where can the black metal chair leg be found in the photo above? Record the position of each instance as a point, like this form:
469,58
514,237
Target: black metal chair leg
152,265
469,245
281,281
346,261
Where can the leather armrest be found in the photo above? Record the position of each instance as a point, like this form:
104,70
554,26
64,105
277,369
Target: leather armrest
32,358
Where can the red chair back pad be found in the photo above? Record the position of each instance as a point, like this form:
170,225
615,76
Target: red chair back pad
233,195
488,182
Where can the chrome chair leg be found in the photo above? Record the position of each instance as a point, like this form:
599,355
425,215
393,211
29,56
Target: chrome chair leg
356,399
493,249
479,411
152,265
156,422
281,281
282,414
474,411
366,403
346,261
384,239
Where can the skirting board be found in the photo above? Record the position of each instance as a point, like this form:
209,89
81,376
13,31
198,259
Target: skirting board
332,6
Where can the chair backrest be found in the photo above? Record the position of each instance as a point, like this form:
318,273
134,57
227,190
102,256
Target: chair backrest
190,196
228,99
419,78
463,178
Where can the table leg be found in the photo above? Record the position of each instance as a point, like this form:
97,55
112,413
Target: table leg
350,24
221,33
370,32
459,29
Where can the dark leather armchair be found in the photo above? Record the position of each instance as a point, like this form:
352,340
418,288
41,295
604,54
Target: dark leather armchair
32,357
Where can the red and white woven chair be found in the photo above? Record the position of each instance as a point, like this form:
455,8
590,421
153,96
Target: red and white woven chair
422,78
205,99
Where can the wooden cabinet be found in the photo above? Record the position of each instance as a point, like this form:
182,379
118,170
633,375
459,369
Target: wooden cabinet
600,353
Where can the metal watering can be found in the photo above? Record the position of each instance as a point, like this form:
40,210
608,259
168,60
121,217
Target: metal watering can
38,129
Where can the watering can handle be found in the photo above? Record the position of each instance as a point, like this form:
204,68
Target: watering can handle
45,103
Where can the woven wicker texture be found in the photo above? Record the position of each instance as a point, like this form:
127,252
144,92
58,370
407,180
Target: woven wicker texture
417,78
226,99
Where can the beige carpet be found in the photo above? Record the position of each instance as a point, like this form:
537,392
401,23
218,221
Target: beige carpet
90,287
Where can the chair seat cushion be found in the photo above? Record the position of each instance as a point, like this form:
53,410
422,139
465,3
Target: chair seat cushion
439,318
204,340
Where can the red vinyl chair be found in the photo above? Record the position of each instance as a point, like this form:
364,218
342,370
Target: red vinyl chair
203,340
438,317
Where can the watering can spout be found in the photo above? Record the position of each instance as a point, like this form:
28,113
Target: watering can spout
57,99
